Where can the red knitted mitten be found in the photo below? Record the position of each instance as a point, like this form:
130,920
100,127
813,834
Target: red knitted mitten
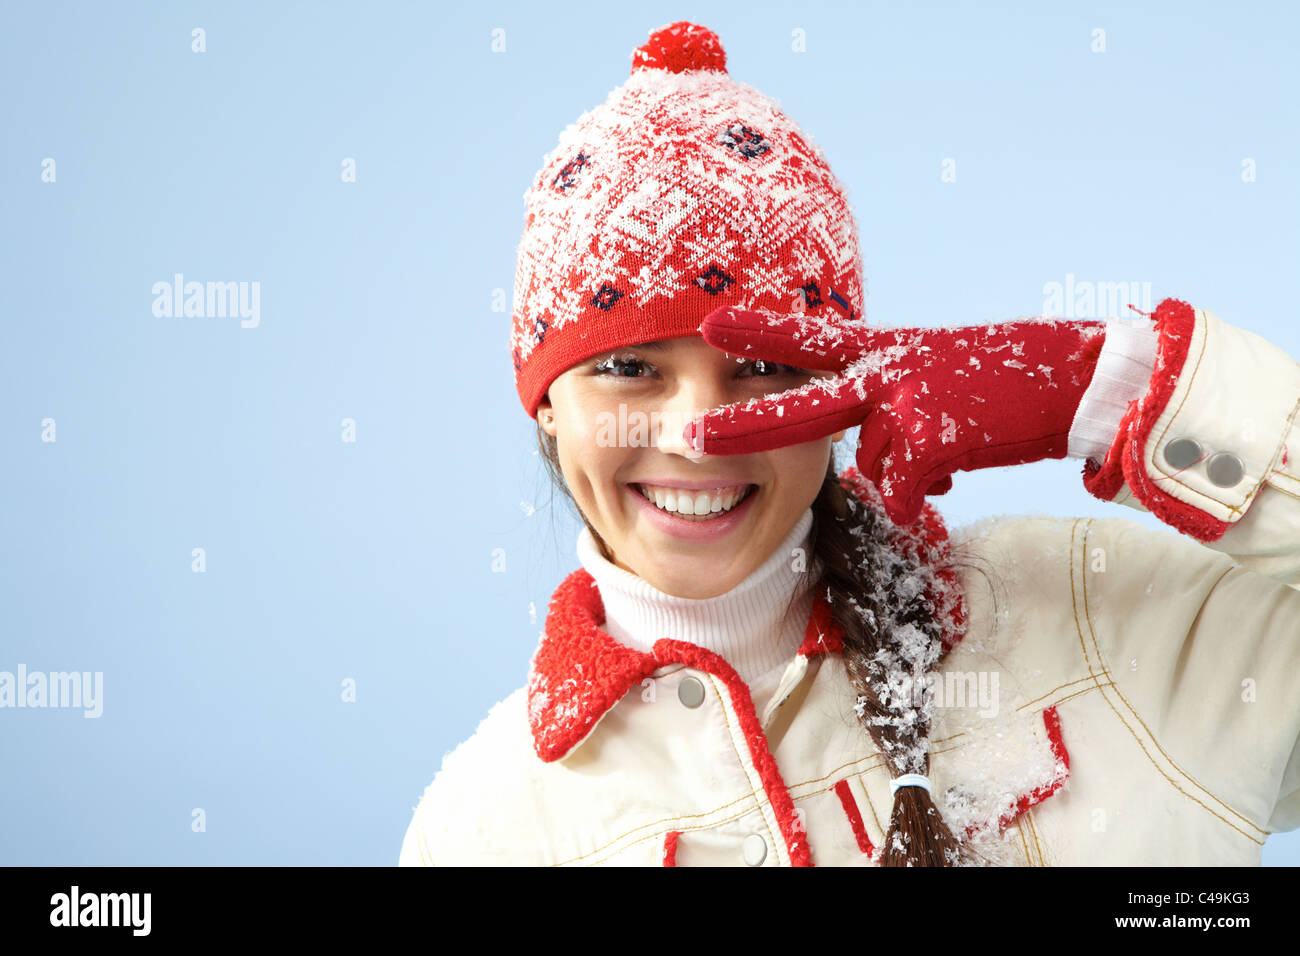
931,401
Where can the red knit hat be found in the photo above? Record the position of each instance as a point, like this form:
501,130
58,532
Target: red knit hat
683,192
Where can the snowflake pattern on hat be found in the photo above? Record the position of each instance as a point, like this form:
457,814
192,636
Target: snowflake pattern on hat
743,140
684,191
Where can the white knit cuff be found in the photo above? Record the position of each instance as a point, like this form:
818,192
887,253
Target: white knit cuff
1123,373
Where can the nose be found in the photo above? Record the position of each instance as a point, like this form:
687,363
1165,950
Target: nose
686,403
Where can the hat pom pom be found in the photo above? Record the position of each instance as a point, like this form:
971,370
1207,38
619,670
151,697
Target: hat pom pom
679,47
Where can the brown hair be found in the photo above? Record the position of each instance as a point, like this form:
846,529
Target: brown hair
877,597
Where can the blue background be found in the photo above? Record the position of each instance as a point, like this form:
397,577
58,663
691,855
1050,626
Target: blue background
387,301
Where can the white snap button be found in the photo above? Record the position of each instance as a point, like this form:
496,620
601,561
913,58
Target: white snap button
690,692
754,849
1225,469
1183,453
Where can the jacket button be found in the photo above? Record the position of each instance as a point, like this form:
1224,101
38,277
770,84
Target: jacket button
1183,453
690,692
754,849
1225,469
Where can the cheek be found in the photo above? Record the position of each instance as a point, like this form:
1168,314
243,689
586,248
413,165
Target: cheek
575,429
575,407
803,467
589,465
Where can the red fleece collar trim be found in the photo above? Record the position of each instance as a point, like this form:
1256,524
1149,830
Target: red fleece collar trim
579,671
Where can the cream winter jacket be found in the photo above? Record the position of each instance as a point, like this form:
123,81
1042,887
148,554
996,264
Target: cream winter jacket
1132,696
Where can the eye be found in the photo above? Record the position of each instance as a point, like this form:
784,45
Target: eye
632,366
765,369
627,366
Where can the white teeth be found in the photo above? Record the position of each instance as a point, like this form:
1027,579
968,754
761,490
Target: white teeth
699,503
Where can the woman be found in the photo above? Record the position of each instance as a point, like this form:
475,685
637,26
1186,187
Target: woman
764,662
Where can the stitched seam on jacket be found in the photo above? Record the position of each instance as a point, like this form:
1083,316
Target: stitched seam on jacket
1079,627
1276,487
655,836
706,826
1033,830
872,761
687,829
1087,690
779,840
1024,844
1136,715
1279,470
1091,677
1277,457
1155,741
671,823
753,795
1286,434
665,824
871,807
422,844
876,760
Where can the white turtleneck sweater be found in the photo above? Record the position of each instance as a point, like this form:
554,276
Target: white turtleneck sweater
748,625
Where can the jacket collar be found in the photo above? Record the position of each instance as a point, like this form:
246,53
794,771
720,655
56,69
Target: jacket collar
579,672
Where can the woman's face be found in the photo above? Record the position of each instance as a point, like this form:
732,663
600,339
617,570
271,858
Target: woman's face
618,420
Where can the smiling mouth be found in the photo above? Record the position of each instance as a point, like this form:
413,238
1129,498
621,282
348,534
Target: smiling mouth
704,505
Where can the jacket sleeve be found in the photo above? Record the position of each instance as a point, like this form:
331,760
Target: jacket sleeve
1195,421
1201,659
